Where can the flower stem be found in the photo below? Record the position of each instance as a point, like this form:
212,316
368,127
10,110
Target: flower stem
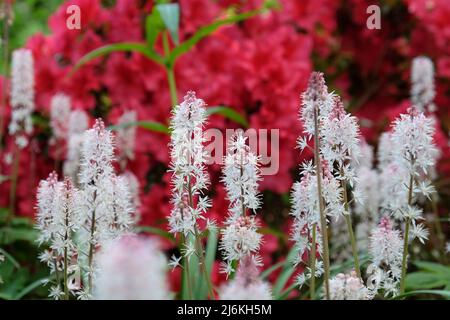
91,247
323,221
13,188
406,236
312,263
348,219
170,71
186,273
5,42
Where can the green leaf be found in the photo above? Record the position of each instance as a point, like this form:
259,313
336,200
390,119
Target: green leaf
11,259
148,125
286,273
9,235
442,293
170,15
31,287
425,280
153,26
156,231
266,273
210,257
3,178
285,293
207,30
117,47
228,113
433,267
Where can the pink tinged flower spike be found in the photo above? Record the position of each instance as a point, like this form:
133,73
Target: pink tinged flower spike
126,136
316,97
246,285
422,84
189,178
240,238
22,96
348,287
131,268
60,107
386,253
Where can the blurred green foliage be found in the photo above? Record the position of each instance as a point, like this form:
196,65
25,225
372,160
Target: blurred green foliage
30,16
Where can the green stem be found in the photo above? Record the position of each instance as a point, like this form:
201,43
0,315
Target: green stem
323,221
186,272
66,288
91,247
13,188
348,219
170,70
406,236
5,38
312,264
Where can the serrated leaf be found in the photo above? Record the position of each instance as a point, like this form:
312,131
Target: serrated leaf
170,15
228,113
148,125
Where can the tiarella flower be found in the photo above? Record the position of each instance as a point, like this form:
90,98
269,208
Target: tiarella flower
315,99
126,136
246,285
105,211
348,287
22,96
340,138
133,189
78,123
241,175
422,80
385,250
121,219
60,113
305,209
57,222
240,238
46,193
367,209
131,268
189,176
412,141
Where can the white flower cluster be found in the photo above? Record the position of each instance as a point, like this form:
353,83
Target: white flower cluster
348,287
305,209
189,176
126,136
131,268
422,84
100,211
386,253
105,197
240,237
60,108
57,220
78,123
22,96
246,285
340,138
